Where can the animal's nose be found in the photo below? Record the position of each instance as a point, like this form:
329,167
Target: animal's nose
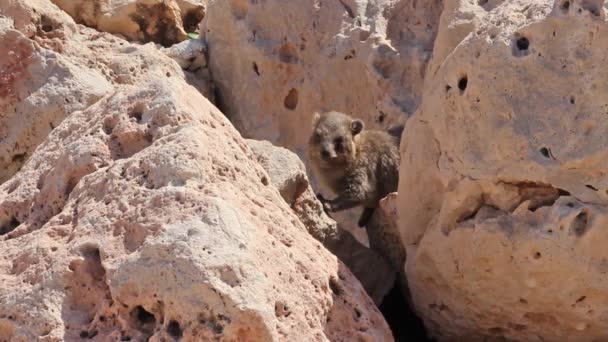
325,154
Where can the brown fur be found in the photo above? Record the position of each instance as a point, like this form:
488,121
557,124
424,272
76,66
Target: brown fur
360,166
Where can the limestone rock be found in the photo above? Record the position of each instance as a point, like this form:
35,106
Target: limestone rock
56,68
286,170
288,175
162,21
143,213
502,197
151,218
366,58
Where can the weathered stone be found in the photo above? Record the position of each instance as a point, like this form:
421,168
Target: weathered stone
502,199
144,214
55,68
162,21
152,219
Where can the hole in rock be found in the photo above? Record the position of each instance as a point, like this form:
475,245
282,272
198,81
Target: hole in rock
579,224
334,286
291,100
46,24
137,112
462,83
546,152
591,187
288,53
402,320
19,158
9,226
565,6
255,68
174,329
265,180
523,44
143,320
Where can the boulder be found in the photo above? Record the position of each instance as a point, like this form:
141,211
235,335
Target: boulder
165,22
56,67
143,214
146,215
503,190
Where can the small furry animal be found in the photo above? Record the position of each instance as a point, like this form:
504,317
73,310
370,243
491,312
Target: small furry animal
360,166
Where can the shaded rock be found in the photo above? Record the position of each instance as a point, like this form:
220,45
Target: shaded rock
384,235
288,175
143,214
162,22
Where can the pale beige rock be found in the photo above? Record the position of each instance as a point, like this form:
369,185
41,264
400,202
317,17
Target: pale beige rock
150,200
502,199
276,62
162,21
56,67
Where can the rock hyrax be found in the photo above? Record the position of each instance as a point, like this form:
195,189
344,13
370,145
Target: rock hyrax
360,166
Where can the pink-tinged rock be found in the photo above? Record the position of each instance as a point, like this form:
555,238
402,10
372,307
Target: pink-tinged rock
502,199
146,215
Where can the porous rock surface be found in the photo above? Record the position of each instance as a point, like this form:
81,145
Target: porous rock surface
55,67
151,217
165,22
503,190
143,213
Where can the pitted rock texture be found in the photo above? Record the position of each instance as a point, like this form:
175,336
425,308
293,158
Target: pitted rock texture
143,214
146,215
56,67
366,58
165,22
503,187
288,175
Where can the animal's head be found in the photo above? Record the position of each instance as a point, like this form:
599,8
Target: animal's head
332,138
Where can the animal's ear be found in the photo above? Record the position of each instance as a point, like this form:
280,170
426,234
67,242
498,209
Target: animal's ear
356,126
315,118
